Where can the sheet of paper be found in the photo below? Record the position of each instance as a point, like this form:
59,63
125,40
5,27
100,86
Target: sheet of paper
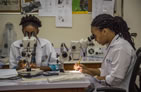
7,73
67,76
48,8
102,6
34,79
64,13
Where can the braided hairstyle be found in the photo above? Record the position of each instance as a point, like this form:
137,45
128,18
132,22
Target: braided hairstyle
30,20
115,24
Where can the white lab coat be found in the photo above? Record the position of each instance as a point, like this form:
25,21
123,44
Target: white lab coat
117,64
43,50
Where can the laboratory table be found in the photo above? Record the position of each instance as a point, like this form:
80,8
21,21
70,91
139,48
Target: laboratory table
77,86
44,86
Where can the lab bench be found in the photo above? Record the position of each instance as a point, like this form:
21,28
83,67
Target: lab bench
44,85
77,86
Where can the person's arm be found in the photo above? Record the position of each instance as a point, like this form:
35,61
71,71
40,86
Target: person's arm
94,71
12,57
45,68
52,59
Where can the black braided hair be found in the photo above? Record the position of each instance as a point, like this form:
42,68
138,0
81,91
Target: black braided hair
30,20
115,24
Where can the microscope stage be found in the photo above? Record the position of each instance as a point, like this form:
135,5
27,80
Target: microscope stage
32,73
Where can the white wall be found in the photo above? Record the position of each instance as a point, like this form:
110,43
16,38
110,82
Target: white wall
80,28
132,14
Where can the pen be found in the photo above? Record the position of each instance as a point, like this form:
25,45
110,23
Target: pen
79,61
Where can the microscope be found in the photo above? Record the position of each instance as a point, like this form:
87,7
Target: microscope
29,48
64,53
75,50
63,56
78,47
28,56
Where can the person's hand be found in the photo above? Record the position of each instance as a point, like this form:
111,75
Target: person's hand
21,64
100,77
78,67
82,68
33,65
45,68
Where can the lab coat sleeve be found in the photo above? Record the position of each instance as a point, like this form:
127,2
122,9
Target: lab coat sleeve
53,56
119,65
50,52
53,60
111,80
12,57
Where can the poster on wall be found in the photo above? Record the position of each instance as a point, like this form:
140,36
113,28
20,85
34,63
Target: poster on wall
10,6
79,6
102,6
29,6
64,13
48,8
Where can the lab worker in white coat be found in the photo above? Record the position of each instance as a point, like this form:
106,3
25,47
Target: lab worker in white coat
120,56
45,55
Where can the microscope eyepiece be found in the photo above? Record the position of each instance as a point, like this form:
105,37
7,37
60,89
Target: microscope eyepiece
73,47
23,53
21,45
91,37
64,54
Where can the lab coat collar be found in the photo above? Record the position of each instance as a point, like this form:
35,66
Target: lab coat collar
42,42
113,41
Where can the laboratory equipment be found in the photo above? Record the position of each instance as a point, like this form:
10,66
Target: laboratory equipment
28,56
28,74
78,47
9,36
75,50
64,53
63,56
94,51
87,44
29,47
90,49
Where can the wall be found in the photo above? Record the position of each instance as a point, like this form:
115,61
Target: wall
80,28
132,14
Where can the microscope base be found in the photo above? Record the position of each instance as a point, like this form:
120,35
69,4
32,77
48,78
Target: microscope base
32,73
